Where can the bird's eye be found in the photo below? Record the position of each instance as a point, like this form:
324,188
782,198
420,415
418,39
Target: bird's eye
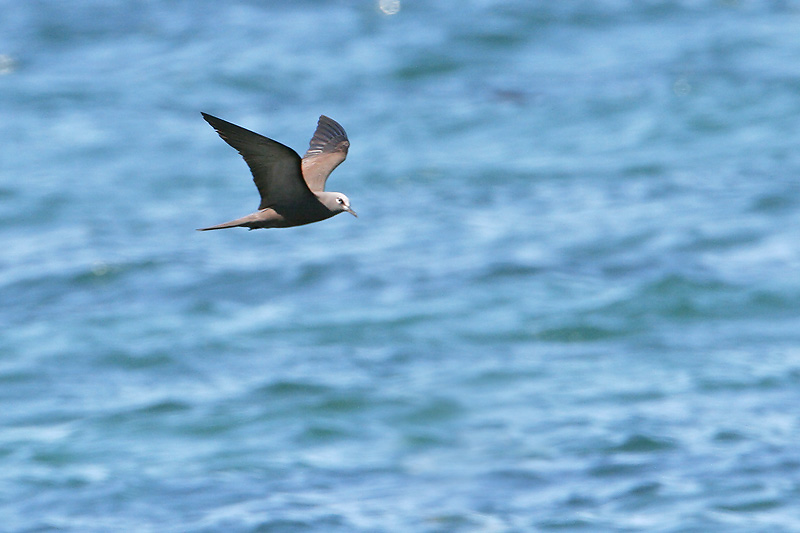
340,200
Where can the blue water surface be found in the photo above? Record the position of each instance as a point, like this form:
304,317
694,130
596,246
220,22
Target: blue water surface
570,302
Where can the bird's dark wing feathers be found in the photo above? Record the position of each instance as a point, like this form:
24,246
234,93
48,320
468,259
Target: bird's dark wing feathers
327,149
276,168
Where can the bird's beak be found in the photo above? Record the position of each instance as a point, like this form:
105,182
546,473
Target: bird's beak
351,211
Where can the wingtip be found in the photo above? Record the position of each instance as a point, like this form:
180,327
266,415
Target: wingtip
325,119
328,137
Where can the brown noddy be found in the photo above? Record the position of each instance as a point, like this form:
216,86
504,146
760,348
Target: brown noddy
292,189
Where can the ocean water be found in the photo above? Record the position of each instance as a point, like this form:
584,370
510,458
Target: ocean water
570,302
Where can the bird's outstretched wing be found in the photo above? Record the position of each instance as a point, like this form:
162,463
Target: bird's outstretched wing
275,167
327,149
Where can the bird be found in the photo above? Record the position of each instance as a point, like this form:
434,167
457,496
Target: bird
292,189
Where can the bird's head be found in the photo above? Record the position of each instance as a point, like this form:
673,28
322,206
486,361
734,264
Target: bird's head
336,202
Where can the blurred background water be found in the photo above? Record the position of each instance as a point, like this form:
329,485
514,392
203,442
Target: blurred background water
570,301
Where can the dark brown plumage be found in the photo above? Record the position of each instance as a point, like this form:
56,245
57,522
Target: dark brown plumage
292,189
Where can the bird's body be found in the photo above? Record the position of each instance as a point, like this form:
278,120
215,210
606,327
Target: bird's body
293,215
291,188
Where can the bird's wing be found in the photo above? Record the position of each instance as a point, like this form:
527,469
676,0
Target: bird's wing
275,167
327,149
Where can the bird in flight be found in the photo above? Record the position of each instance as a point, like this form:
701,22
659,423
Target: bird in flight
292,189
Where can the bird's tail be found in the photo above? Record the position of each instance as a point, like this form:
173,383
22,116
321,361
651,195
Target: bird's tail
244,222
